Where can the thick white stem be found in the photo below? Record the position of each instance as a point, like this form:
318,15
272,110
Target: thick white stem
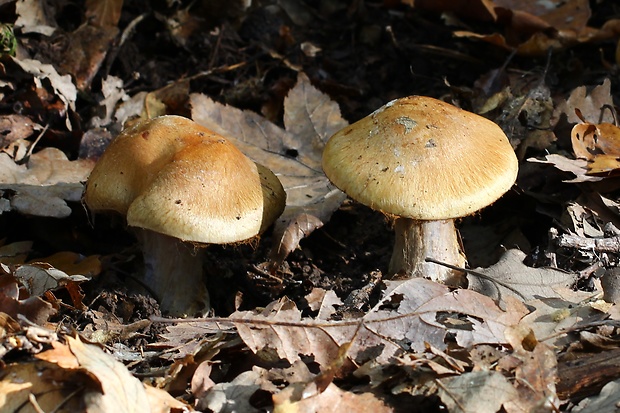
174,272
416,240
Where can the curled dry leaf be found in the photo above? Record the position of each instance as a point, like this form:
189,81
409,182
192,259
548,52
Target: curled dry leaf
292,153
33,308
116,390
41,382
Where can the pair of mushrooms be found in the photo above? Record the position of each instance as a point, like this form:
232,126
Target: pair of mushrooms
182,186
416,158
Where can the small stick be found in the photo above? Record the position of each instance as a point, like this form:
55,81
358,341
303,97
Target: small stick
611,244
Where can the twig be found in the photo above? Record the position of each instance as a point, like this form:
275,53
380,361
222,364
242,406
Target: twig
611,244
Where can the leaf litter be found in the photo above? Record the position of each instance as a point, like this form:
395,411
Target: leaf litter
508,335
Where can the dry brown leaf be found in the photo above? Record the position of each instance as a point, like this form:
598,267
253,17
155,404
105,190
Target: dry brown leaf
14,127
332,399
62,86
535,381
119,390
43,185
232,397
414,313
591,105
34,309
510,277
41,277
532,28
553,316
34,16
578,167
15,253
476,392
26,386
324,302
293,154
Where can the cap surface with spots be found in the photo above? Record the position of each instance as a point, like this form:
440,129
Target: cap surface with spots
422,158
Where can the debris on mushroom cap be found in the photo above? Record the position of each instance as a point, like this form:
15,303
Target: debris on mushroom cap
175,177
422,158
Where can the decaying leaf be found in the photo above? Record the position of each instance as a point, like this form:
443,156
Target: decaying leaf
116,390
26,386
481,391
43,185
510,277
331,399
531,28
599,144
578,167
535,380
233,396
413,313
293,154
13,304
35,17
592,105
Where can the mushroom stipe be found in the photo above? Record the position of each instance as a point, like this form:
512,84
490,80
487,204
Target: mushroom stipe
426,162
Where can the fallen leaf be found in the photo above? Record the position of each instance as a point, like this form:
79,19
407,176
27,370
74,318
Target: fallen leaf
119,390
233,396
12,303
591,105
34,16
293,154
510,277
14,127
578,167
41,277
62,86
535,381
481,391
42,187
331,399
52,389
412,314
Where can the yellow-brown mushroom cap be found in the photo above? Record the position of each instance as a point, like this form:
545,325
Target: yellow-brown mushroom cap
175,177
421,158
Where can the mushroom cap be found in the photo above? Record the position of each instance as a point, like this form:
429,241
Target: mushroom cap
421,158
176,177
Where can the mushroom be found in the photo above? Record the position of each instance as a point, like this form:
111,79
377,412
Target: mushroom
182,186
426,162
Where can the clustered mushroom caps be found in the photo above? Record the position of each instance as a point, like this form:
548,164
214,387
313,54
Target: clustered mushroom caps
426,162
183,186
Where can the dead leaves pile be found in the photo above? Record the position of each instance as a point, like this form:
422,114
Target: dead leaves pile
508,343
529,28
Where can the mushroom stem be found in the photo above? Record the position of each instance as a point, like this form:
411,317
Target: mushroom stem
174,273
416,240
